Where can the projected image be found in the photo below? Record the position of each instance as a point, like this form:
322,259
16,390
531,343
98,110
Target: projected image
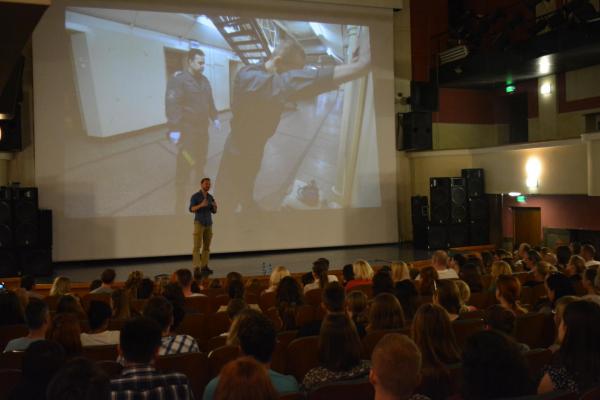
278,113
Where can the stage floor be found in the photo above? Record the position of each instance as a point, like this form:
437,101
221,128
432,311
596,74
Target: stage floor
248,264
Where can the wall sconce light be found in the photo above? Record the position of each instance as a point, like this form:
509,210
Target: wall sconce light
546,89
533,169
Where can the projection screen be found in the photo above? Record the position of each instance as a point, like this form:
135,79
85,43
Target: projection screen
289,112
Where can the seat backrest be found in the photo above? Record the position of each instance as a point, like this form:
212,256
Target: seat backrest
195,325
301,356
218,323
116,324
219,357
111,368
305,314
273,316
313,297
536,359
355,389
372,338
367,289
11,360
10,332
137,305
101,353
52,302
9,379
198,304
267,300
103,297
215,342
482,300
292,396
592,394
535,330
477,314
193,365
465,328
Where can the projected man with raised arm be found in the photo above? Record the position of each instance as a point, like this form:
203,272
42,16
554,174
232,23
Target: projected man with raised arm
203,205
189,107
260,93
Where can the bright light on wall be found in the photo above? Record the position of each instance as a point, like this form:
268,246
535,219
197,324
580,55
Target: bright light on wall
546,89
533,169
514,194
544,65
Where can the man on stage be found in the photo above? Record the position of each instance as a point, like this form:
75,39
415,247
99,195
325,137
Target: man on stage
203,205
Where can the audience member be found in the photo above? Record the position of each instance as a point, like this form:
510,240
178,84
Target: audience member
339,353
174,294
471,276
550,258
65,330
502,319
28,284
356,307
575,248
589,282
256,337
576,367
540,272
428,277
363,274
385,313
396,368
145,289
245,379
320,270
11,310
70,304
60,286
457,262
333,300
41,360
439,261
464,295
121,299
37,317
132,283
559,311
160,310
108,279
494,368
522,251
277,275
347,273
448,297
487,258
79,379
237,290
288,298
400,271
575,268
99,314
508,293
563,255
557,286
234,308
307,279
407,295
588,253
95,284
532,258
184,279
382,283
140,344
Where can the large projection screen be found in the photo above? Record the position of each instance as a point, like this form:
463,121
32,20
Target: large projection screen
289,111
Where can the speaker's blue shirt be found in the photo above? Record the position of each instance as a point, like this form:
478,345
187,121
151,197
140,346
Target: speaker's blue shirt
203,214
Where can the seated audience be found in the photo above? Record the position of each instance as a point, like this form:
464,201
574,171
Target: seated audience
508,293
347,273
532,258
256,337
41,361
28,284
320,270
487,258
457,262
448,297
70,304
79,379
400,271
333,300
307,279
140,344
132,283
60,286
184,279
382,283
407,295
396,368
339,353
471,276
237,290
277,275
550,258
363,274
439,261
11,310
37,318
575,248
559,311
385,313
494,368
503,320
540,272
160,310
245,379
521,253
557,286
563,255
99,315
588,253
288,298
589,282
65,330
95,284
145,289
108,279
428,277
234,308
575,268
121,299
174,294
432,332
464,295
576,367
356,307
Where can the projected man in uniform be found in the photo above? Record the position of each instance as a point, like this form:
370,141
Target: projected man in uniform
260,93
189,107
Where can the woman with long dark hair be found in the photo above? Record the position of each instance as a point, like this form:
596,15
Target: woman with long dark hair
288,297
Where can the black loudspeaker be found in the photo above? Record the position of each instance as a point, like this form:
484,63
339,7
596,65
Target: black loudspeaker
416,131
9,265
424,96
25,215
439,193
474,181
478,209
6,239
458,194
10,133
437,237
36,262
45,228
458,235
479,233
420,220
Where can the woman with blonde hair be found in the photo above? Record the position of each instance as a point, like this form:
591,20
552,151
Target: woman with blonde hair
363,274
499,268
277,275
60,286
133,282
400,271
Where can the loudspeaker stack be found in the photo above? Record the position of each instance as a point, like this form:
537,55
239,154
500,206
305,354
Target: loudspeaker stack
25,233
420,220
478,206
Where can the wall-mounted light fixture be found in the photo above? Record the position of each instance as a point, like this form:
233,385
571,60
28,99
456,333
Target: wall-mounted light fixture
546,89
533,170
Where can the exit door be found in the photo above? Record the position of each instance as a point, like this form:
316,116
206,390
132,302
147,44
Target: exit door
527,225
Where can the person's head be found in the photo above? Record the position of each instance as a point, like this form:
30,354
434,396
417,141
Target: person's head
508,288
277,275
400,271
60,286
382,283
195,63
559,308
319,271
439,259
79,379
333,297
589,280
37,315
108,276
288,55
395,366
140,340
558,285
205,184
28,282
323,261
11,310
580,349
524,248
289,291
575,248
563,254
65,330
362,270
174,295
385,313
500,319
255,334
493,368
576,265
339,344
407,295
348,273
471,276
133,282
541,271
448,296
432,332
588,252
245,379
145,289
235,289
500,268
487,258
550,258
232,276
184,278
457,261
41,360
99,314
234,307
356,303
307,278
464,292
160,310
68,304
121,299
531,258
429,276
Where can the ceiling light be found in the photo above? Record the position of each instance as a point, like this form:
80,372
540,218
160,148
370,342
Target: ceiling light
544,65
514,194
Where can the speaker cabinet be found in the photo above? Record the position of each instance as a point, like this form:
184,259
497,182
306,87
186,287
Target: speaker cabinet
9,265
458,195
439,193
437,237
420,220
474,182
36,262
478,209
416,131
6,239
479,233
25,211
458,235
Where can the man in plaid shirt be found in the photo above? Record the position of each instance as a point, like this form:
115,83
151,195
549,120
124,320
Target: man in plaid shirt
140,342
